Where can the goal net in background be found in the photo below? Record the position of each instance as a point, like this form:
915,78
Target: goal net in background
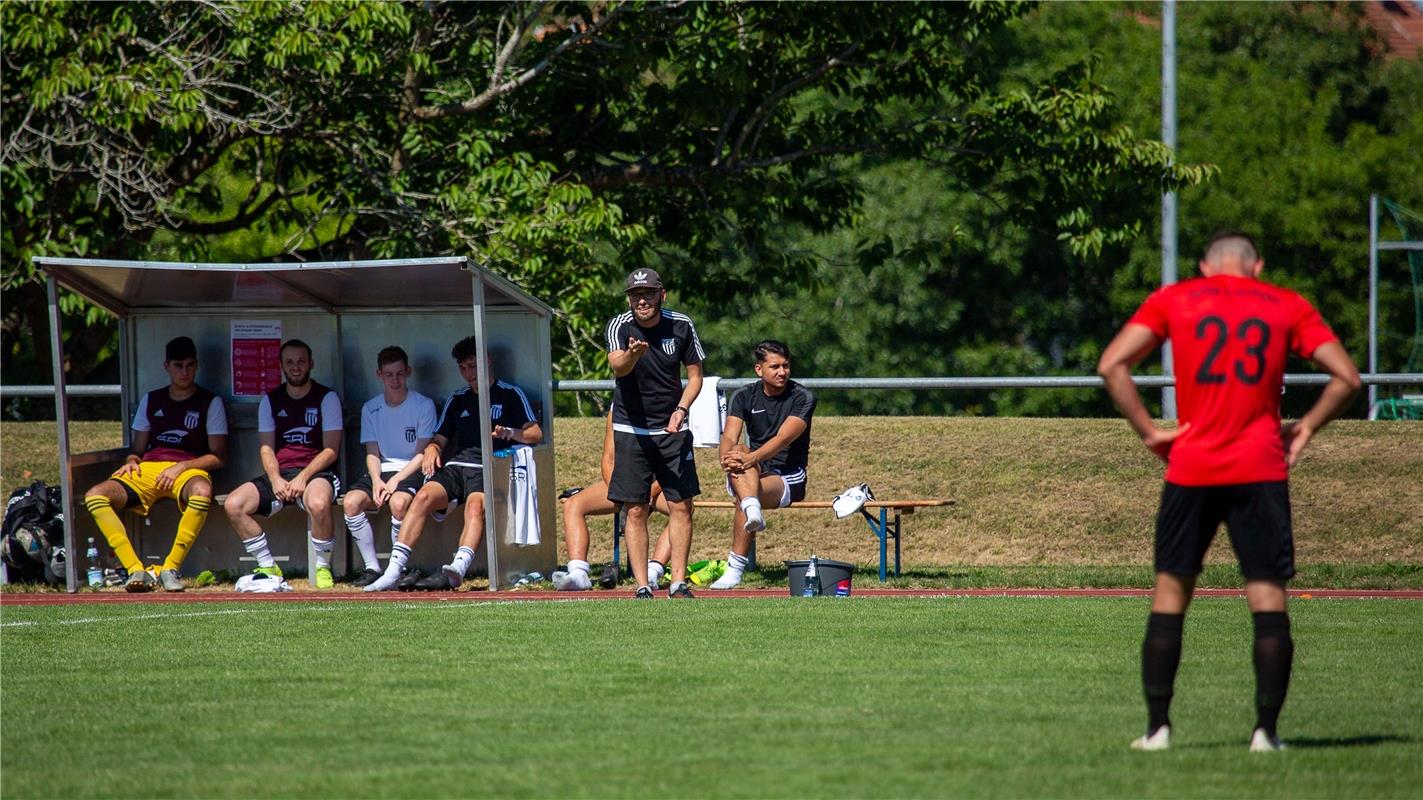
1400,319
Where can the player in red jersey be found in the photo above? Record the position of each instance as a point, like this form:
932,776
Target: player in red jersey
1229,459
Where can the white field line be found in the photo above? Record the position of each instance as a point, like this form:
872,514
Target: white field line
232,611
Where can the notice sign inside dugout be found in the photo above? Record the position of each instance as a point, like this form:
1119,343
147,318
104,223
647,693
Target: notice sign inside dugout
256,356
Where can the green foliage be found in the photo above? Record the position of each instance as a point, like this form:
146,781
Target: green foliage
560,144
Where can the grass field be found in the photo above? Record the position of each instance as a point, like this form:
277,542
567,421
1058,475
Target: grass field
869,697
1039,502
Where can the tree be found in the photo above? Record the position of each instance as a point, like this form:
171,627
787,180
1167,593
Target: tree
558,143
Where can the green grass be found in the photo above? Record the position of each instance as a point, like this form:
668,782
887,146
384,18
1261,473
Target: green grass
984,697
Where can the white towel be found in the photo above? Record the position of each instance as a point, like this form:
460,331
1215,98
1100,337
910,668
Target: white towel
707,415
523,525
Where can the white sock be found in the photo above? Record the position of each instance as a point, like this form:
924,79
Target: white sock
751,507
365,537
323,551
578,566
736,563
399,555
258,549
463,558
654,573
394,531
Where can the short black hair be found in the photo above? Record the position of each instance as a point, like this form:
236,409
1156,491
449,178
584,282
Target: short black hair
769,346
296,343
464,348
390,355
179,349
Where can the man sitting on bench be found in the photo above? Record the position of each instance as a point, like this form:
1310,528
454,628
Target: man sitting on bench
299,428
776,413
460,478
179,437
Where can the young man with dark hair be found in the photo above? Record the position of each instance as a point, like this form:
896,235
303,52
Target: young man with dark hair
647,348
459,479
179,437
299,430
395,427
776,413
1228,461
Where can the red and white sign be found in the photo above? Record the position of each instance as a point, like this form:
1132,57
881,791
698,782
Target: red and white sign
256,356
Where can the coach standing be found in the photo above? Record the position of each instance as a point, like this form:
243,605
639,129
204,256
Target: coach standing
1229,460
647,346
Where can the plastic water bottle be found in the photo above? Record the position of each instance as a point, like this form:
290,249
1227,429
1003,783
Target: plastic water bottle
812,578
96,572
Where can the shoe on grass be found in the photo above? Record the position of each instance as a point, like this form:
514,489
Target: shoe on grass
141,581
408,579
575,581
273,571
170,581
366,578
643,593
1160,740
680,591
323,578
1262,742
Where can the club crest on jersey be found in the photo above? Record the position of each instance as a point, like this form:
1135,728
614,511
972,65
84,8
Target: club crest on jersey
669,346
409,434
496,410
190,420
311,416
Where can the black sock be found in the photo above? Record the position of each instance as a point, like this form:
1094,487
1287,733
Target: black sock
1274,655
1160,656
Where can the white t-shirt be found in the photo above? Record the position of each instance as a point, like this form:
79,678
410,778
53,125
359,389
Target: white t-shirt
397,429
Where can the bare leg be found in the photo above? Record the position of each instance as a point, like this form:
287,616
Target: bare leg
680,532
635,532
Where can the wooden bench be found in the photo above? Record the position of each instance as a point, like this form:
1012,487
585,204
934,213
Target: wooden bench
880,524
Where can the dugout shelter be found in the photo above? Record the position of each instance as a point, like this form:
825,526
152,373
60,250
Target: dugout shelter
347,311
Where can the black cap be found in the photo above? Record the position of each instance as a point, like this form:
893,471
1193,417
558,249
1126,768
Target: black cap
644,279
179,349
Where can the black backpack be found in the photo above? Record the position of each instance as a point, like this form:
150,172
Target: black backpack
32,535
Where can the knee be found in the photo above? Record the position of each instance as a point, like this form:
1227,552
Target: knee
475,505
353,504
423,502
317,504
638,512
198,487
96,491
681,509
398,504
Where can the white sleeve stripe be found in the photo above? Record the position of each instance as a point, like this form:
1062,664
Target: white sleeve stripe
449,401
612,330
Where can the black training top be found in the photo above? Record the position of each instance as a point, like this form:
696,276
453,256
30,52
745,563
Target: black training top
763,417
459,422
644,399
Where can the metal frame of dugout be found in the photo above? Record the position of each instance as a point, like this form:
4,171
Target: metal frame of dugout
346,311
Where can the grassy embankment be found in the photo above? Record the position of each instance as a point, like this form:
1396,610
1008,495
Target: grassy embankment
1038,502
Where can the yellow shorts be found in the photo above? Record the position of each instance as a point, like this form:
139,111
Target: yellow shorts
145,483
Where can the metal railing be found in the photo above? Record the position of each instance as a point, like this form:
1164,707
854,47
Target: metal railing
732,384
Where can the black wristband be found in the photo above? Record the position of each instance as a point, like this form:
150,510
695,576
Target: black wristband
684,410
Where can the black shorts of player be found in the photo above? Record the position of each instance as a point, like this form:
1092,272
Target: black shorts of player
411,484
267,502
640,460
1257,515
459,482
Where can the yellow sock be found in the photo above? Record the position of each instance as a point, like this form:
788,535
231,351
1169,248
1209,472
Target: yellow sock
113,530
188,527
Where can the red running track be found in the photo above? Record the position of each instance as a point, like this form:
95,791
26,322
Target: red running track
104,598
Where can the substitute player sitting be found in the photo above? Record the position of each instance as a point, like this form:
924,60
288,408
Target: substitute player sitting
459,479
179,437
1229,459
592,501
776,413
299,431
395,427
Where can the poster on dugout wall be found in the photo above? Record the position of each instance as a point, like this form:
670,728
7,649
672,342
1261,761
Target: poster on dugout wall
256,356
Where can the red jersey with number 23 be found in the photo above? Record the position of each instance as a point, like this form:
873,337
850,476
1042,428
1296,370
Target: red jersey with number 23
1230,337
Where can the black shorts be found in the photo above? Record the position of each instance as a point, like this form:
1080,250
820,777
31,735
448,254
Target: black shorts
640,460
411,484
267,502
459,482
1257,515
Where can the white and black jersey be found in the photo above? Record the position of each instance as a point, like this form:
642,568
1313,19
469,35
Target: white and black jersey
763,416
397,429
644,399
459,422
